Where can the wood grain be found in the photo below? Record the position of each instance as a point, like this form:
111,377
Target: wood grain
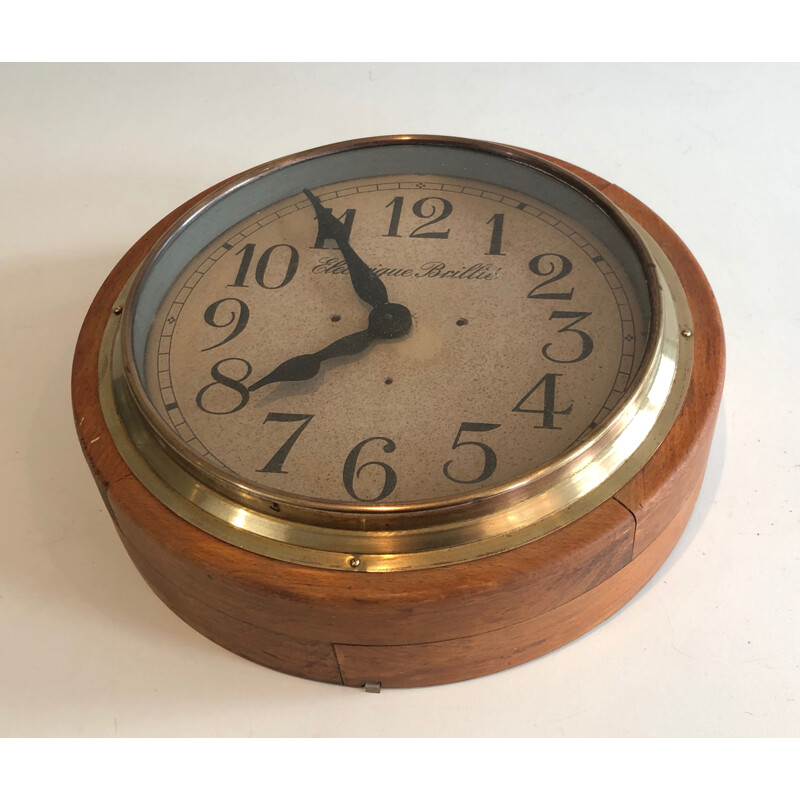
427,626
473,656
278,651
376,608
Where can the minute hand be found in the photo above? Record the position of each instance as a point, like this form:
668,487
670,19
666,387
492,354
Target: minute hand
368,286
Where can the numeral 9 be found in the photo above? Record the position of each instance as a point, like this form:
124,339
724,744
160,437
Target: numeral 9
239,316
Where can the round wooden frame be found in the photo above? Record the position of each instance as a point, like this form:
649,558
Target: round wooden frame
427,626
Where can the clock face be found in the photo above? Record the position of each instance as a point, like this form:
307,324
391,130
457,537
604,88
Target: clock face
401,334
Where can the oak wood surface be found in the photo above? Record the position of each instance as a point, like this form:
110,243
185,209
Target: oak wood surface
379,608
279,651
426,626
460,659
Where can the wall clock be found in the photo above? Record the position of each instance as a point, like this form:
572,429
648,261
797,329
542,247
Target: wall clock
401,411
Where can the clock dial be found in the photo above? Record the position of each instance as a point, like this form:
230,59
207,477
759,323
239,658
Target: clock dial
516,331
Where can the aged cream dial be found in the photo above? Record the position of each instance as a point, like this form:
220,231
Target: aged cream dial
526,330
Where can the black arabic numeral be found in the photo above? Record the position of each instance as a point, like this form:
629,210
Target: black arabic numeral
234,384
350,473
238,318
247,253
496,243
554,265
263,263
489,456
247,256
427,208
325,242
546,387
397,211
587,345
420,210
275,464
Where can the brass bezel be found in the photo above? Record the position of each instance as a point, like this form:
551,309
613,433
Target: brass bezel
411,535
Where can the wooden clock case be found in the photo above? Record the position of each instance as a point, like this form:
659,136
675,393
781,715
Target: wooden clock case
426,626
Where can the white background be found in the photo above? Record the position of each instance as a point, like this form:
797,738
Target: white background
92,156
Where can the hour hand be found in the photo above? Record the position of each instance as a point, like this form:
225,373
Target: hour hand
305,367
387,321
368,286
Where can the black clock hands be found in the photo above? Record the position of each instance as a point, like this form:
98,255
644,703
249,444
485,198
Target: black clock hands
387,321
368,286
304,367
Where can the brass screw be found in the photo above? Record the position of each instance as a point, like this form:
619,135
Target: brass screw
117,309
686,333
354,561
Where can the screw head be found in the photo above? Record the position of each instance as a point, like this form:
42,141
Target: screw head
117,310
686,333
354,561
